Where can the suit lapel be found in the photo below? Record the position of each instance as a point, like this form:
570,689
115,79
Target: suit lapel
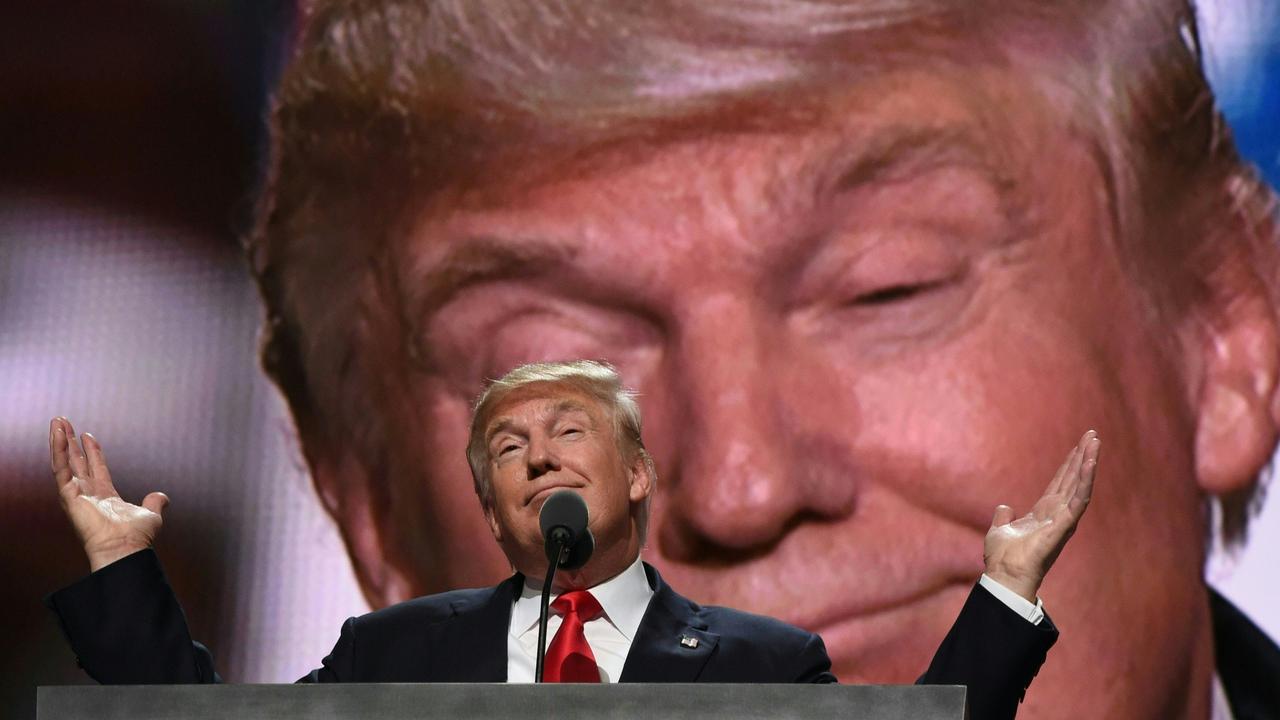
476,636
673,643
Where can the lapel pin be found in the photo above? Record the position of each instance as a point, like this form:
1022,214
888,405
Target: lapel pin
689,642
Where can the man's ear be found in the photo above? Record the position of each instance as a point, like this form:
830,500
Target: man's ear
492,519
1238,408
641,477
343,486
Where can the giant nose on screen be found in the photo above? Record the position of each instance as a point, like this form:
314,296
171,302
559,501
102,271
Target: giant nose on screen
743,474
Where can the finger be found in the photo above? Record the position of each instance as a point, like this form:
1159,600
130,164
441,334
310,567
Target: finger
1088,439
59,461
75,454
156,502
1055,485
1003,516
97,462
1074,474
1084,490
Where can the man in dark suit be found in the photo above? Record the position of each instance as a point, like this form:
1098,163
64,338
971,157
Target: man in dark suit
542,428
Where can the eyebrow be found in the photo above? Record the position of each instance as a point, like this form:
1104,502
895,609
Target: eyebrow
483,258
428,284
565,407
562,408
902,153
503,426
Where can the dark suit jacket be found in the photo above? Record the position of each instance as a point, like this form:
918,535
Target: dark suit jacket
126,626
1248,663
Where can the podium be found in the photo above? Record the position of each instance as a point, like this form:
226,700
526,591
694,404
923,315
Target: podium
476,701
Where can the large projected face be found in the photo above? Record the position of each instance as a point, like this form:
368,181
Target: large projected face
853,336
851,341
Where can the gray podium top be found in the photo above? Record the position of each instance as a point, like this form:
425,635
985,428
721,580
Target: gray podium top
500,701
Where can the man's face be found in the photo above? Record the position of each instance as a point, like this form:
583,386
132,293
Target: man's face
852,342
543,438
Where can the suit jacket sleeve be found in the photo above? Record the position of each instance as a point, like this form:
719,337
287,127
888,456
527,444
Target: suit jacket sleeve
814,663
125,626
995,652
339,665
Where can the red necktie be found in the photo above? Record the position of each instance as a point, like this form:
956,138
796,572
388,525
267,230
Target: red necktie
569,657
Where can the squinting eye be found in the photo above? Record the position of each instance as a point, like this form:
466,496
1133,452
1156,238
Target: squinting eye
571,431
896,293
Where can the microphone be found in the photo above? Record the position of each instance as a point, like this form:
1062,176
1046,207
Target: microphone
564,530
569,545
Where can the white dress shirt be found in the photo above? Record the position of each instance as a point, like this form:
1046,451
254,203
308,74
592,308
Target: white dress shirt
623,597
1015,602
1220,708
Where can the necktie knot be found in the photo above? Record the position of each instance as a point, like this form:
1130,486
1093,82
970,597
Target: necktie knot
580,603
569,657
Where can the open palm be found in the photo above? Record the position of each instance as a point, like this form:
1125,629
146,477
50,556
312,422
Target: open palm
1019,550
109,527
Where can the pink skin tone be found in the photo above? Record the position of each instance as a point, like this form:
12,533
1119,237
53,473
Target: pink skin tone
838,389
542,439
839,385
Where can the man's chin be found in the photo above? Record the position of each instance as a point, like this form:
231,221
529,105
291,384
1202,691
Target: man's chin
895,644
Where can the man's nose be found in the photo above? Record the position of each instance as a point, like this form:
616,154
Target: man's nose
541,457
747,467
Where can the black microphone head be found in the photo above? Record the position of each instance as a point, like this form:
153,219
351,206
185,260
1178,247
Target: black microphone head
565,509
580,553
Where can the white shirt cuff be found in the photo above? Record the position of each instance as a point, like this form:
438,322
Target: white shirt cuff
1015,602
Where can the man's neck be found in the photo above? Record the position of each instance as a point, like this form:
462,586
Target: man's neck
588,576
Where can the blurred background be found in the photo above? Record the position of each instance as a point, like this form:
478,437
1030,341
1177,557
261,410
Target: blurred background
130,140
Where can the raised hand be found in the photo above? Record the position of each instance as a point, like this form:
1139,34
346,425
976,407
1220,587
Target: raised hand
1018,552
109,527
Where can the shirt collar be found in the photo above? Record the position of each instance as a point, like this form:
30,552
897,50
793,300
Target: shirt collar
1221,708
624,598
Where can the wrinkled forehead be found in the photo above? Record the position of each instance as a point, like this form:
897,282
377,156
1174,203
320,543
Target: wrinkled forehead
550,398
678,195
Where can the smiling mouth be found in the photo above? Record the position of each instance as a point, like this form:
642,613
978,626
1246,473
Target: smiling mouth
831,619
545,492
898,634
